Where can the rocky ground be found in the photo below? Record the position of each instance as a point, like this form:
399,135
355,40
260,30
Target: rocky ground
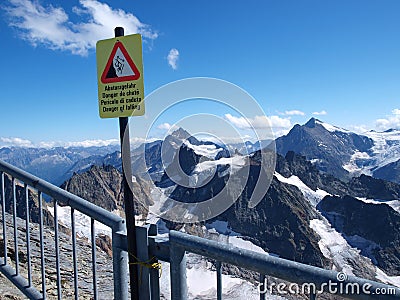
85,281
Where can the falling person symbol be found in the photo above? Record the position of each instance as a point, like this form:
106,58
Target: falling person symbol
120,66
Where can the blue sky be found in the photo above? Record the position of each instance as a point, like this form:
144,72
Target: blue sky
336,60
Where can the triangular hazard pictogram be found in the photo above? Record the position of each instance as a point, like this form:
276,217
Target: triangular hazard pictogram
120,66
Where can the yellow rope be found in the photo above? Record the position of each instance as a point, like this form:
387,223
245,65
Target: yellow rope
147,264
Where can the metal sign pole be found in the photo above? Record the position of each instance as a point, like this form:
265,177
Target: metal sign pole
128,198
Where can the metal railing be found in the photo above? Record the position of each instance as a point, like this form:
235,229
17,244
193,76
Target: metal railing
290,271
59,196
152,249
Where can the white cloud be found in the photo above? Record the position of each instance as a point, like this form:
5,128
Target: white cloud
294,112
258,122
396,111
320,113
164,126
173,57
85,144
390,122
50,26
277,122
280,126
14,142
239,122
360,129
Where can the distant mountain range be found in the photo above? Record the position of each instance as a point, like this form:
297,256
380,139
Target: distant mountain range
333,150
52,164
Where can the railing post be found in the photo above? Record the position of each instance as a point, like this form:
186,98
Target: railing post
313,296
3,213
178,272
262,286
120,263
218,266
57,250
28,235
42,253
94,270
15,226
154,273
143,257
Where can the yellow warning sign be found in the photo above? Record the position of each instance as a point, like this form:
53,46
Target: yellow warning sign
120,76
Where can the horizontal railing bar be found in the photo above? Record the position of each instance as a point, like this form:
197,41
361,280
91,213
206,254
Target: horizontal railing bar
64,197
20,282
274,266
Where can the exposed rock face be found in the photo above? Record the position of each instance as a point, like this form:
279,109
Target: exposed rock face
83,165
332,149
298,165
372,188
185,160
279,223
104,242
363,186
85,279
367,224
103,187
389,172
158,155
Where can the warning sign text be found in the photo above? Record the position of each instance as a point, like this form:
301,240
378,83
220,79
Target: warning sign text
120,77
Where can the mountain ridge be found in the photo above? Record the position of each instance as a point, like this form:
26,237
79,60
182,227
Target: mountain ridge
343,153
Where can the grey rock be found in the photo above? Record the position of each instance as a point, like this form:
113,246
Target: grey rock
83,250
377,227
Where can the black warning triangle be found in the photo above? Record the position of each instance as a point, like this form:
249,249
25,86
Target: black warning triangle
120,66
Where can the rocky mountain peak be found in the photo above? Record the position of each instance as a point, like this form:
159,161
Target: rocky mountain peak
102,185
312,123
329,147
181,133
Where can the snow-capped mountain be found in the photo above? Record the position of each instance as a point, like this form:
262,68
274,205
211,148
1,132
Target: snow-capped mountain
343,153
384,161
247,147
